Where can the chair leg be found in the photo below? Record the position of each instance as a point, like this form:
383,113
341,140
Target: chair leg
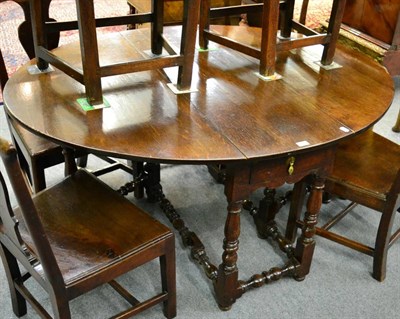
333,29
82,161
13,274
168,279
382,243
60,305
22,160
303,12
287,17
396,127
297,201
38,177
204,23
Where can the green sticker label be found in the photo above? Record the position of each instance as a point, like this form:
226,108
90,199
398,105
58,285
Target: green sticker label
84,104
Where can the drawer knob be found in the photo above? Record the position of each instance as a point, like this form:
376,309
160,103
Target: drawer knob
291,161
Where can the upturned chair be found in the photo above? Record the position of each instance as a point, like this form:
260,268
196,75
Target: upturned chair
366,172
92,72
275,15
71,245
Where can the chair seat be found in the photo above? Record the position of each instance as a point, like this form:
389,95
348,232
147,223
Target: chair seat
78,238
35,144
377,163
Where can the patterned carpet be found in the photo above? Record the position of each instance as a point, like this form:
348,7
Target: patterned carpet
11,16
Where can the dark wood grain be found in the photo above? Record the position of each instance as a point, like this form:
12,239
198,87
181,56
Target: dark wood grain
233,116
378,22
376,18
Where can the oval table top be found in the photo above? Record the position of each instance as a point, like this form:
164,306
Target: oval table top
233,116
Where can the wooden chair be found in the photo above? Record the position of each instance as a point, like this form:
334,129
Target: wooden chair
276,14
366,172
71,245
92,72
35,153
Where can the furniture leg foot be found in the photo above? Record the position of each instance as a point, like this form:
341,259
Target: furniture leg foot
224,308
299,278
226,286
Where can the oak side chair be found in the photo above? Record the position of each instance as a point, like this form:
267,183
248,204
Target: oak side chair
366,172
70,245
276,15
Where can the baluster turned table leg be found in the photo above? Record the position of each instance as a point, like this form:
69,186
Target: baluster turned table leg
226,284
306,243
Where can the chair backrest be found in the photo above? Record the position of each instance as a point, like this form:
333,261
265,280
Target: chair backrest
9,223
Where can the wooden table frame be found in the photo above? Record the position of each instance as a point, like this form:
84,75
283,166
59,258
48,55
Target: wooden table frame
241,181
265,133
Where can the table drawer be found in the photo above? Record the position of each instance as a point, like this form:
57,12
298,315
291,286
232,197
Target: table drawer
292,168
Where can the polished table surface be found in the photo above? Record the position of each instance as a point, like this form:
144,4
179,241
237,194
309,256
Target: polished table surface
265,132
233,116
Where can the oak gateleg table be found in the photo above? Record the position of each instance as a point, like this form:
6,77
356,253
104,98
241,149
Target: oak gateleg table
264,133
